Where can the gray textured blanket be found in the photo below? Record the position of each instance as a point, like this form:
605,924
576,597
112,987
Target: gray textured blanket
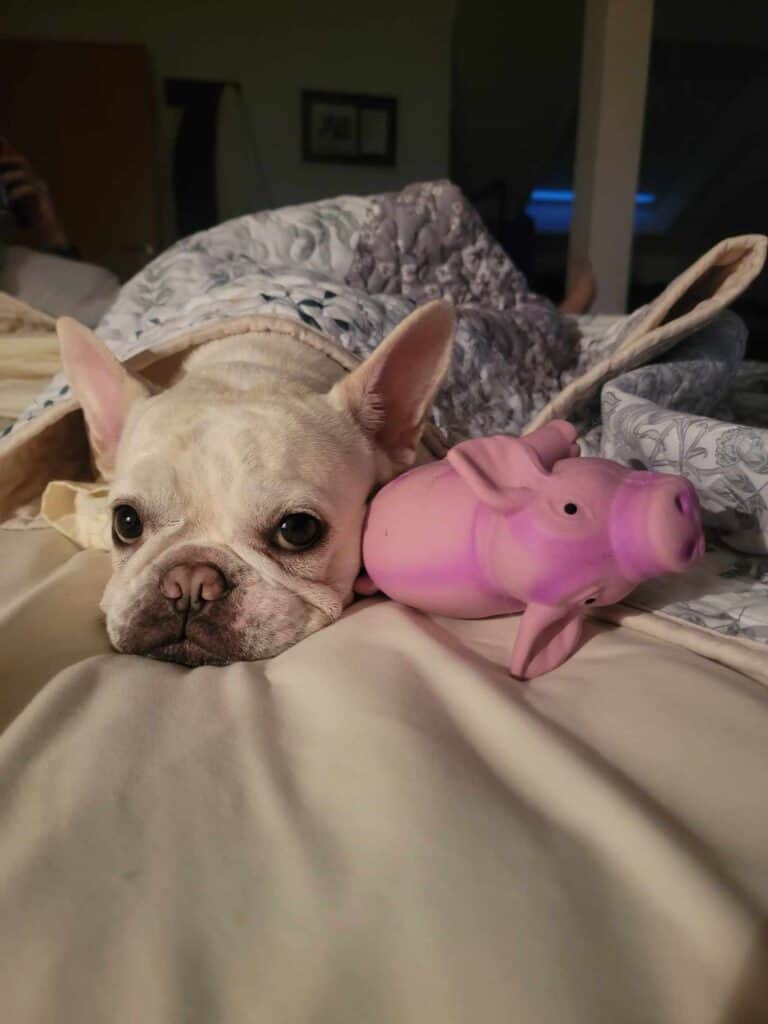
702,412
353,268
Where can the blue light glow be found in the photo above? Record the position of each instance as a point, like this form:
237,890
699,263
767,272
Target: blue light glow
565,195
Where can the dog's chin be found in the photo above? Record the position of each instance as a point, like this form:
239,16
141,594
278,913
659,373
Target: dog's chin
203,647
187,652
192,654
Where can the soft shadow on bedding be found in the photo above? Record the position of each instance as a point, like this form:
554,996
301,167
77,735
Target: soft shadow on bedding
750,1000
49,612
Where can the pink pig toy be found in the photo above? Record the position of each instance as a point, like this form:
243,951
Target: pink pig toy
507,524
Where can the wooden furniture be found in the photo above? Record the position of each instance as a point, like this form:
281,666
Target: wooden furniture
84,115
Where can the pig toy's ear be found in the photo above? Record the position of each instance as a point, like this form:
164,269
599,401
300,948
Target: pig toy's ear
555,441
501,471
546,636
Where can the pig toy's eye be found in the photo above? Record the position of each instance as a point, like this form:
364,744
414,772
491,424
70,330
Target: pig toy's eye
570,509
590,600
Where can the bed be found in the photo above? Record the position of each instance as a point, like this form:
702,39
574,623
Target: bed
377,825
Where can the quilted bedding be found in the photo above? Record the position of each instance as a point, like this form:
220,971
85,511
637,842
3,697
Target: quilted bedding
703,412
352,268
346,271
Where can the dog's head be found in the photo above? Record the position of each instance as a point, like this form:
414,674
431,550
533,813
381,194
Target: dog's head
238,512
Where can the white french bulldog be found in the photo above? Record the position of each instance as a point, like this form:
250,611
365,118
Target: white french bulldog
238,494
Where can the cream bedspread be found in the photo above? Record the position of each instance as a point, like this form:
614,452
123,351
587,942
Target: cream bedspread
376,826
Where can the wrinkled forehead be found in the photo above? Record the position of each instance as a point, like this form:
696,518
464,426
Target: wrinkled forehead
219,455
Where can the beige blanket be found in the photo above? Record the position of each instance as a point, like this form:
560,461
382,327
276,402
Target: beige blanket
29,356
378,826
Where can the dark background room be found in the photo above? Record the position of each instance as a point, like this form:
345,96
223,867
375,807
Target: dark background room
153,121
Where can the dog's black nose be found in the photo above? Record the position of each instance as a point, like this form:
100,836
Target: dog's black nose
190,587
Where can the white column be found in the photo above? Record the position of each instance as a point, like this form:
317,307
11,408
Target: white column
616,47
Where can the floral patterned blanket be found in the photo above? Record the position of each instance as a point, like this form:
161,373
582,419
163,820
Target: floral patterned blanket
352,268
702,412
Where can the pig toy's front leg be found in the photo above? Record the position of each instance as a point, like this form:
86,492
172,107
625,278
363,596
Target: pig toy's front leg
546,636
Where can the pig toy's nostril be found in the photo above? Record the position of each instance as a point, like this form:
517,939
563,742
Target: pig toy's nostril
684,505
690,550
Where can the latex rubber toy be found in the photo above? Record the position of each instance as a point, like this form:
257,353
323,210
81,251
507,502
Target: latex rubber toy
507,524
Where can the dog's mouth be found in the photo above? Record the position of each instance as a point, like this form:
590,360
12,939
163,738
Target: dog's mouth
187,640
195,640
204,641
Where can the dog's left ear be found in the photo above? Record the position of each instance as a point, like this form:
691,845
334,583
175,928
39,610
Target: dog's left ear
389,395
105,389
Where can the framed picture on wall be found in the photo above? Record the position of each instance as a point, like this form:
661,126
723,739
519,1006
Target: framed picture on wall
348,128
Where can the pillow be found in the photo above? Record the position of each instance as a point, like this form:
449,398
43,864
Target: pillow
59,286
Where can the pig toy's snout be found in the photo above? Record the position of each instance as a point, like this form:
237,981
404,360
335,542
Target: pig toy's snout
674,526
660,528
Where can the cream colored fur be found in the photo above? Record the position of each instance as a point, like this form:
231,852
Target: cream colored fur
254,429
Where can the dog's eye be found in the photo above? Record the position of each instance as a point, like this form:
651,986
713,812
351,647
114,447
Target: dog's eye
297,532
126,524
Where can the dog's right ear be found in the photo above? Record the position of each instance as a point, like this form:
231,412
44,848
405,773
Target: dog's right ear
105,389
389,395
